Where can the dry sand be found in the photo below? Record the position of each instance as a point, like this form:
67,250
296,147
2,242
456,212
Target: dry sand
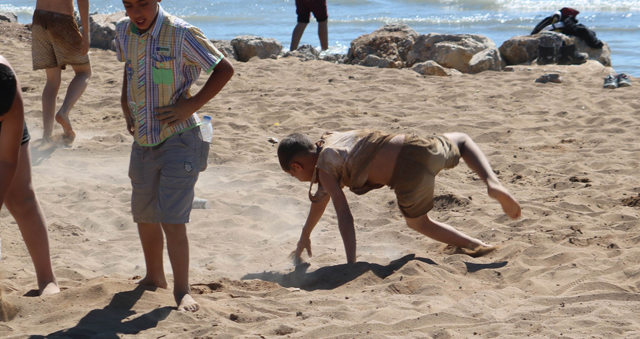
569,268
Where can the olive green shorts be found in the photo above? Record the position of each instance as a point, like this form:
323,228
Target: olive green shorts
419,161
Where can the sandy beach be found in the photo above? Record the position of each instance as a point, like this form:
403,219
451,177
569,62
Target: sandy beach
569,268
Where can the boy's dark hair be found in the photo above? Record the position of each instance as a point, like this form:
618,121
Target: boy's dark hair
7,88
291,146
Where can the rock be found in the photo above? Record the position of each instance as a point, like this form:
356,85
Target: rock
433,68
486,60
456,51
9,17
247,47
550,77
225,47
602,55
304,52
385,47
523,49
102,28
372,60
335,57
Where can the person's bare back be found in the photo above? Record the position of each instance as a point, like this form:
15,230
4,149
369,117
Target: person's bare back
57,6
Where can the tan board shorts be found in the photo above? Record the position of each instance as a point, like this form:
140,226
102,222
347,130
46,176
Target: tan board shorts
56,41
163,177
419,161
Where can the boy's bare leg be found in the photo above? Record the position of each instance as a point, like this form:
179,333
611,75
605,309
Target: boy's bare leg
444,233
178,248
323,34
74,91
297,35
49,100
478,163
152,245
23,205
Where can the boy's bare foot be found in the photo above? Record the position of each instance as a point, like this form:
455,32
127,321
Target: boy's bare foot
148,281
186,303
49,289
509,204
479,251
63,120
69,137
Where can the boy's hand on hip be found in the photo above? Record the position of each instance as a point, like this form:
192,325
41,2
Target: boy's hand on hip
131,126
177,113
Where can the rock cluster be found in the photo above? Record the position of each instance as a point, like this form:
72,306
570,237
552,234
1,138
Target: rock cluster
391,46
399,46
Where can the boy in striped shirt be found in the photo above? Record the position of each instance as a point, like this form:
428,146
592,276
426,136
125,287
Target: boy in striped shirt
163,57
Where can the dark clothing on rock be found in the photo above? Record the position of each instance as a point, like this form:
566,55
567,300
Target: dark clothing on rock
565,22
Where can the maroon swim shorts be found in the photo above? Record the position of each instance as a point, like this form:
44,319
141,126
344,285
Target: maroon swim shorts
304,8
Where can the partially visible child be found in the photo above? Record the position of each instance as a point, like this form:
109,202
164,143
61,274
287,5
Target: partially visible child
163,57
57,42
364,160
304,8
16,189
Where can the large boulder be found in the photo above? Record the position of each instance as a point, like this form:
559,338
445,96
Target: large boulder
468,53
225,47
523,49
247,47
102,28
386,47
8,17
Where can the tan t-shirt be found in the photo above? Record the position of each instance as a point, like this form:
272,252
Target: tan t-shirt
346,157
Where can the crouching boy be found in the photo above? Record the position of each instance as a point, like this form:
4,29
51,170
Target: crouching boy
364,160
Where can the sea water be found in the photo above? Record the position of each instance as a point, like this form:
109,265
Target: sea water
616,22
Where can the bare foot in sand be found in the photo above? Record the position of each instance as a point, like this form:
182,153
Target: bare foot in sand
49,289
63,120
509,204
148,281
479,251
186,303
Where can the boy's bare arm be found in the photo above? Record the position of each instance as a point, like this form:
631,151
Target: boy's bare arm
83,8
185,107
345,219
10,139
125,105
315,213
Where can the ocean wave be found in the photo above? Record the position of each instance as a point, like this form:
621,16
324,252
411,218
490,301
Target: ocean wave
24,10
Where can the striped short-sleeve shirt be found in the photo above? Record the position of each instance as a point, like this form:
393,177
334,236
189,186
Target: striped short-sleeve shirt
161,65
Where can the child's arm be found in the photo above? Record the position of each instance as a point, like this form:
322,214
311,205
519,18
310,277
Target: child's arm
185,107
315,213
125,105
10,139
345,219
83,8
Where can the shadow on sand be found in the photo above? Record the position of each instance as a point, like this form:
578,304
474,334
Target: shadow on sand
109,322
330,277
42,150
